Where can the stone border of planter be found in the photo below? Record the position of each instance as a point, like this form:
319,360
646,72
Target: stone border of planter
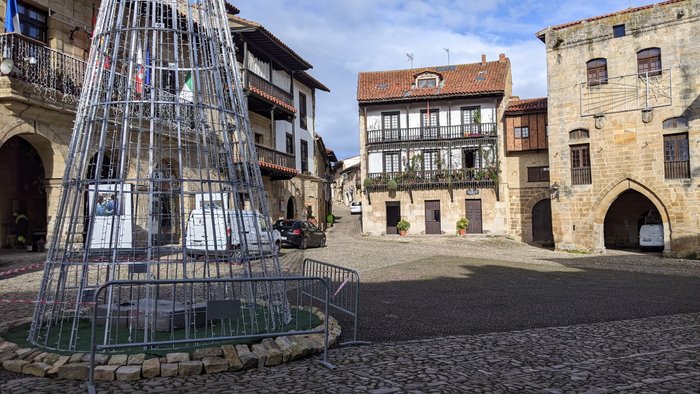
269,352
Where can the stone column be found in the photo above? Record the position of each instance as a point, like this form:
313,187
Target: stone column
52,187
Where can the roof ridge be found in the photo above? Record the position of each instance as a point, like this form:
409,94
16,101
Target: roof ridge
420,69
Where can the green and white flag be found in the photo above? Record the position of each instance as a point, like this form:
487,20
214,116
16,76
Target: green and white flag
187,93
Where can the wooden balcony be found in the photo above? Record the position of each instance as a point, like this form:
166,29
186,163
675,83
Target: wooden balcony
581,176
677,169
277,165
432,133
54,75
270,92
467,178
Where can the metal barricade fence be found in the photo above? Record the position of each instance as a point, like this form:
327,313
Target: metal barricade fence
344,286
215,310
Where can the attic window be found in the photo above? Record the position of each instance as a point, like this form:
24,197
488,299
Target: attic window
382,85
481,76
427,81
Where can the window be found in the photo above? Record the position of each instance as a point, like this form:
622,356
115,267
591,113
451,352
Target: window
304,156
289,143
431,160
676,123
471,117
429,123
538,174
649,62
258,138
676,156
427,82
580,165
33,22
302,110
471,158
390,126
597,71
392,162
618,31
522,132
578,134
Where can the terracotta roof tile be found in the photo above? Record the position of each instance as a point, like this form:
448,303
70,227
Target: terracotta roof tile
272,98
278,167
533,104
458,80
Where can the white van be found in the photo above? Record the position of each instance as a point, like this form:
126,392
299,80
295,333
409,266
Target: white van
209,232
651,236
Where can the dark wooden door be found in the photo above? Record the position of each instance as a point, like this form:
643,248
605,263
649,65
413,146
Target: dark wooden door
393,215
432,217
473,208
542,222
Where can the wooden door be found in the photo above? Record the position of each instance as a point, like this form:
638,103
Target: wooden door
432,217
473,209
542,222
393,215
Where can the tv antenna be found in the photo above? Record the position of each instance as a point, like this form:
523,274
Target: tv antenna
410,58
448,55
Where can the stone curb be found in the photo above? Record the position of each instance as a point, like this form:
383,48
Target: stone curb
121,367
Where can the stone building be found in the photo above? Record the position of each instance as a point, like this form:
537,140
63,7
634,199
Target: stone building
41,84
346,181
429,148
526,171
624,127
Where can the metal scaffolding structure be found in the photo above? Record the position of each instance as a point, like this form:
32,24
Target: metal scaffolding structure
161,183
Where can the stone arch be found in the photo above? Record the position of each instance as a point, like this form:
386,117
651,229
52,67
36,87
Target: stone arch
526,213
605,199
51,147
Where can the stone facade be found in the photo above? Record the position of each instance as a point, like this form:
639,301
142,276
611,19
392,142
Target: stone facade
626,119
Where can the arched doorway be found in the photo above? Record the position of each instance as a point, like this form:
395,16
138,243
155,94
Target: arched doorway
22,189
542,222
290,208
625,217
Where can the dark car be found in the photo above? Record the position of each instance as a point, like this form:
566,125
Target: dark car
301,234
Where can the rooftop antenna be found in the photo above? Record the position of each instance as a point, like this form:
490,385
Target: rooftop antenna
410,58
448,55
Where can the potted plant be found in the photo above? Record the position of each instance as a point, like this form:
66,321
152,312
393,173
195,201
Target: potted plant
392,185
462,225
330,218
403,225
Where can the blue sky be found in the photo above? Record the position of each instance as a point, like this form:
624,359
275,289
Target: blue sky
343,38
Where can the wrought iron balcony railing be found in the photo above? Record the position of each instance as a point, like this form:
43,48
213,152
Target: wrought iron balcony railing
432,133
272,156
473,178
581,176
268,88
53,74
679,169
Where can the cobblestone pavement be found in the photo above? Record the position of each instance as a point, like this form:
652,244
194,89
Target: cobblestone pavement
475,285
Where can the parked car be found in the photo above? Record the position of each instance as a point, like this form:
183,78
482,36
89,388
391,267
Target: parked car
651,236
356,207
301,234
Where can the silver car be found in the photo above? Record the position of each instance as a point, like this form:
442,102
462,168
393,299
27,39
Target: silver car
356,207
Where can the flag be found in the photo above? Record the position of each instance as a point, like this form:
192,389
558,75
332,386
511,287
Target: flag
139,70
187,93
12,17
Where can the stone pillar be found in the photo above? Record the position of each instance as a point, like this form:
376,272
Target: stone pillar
52,187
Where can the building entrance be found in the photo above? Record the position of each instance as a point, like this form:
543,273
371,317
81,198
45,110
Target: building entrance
625,217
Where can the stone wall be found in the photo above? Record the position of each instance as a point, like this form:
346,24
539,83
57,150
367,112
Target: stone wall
626,146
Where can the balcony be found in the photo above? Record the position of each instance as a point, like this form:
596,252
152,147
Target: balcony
432,133
581,176
277,165
54,75
270,92
468,178
678,169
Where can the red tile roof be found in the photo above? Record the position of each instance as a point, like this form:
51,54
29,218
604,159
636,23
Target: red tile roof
533,104
278,167
459,80
272,98
627,11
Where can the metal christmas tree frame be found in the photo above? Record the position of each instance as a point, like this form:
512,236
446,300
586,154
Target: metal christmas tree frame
161,183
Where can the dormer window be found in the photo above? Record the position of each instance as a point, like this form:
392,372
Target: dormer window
427,80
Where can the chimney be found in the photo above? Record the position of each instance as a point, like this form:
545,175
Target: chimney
483,59
502,58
